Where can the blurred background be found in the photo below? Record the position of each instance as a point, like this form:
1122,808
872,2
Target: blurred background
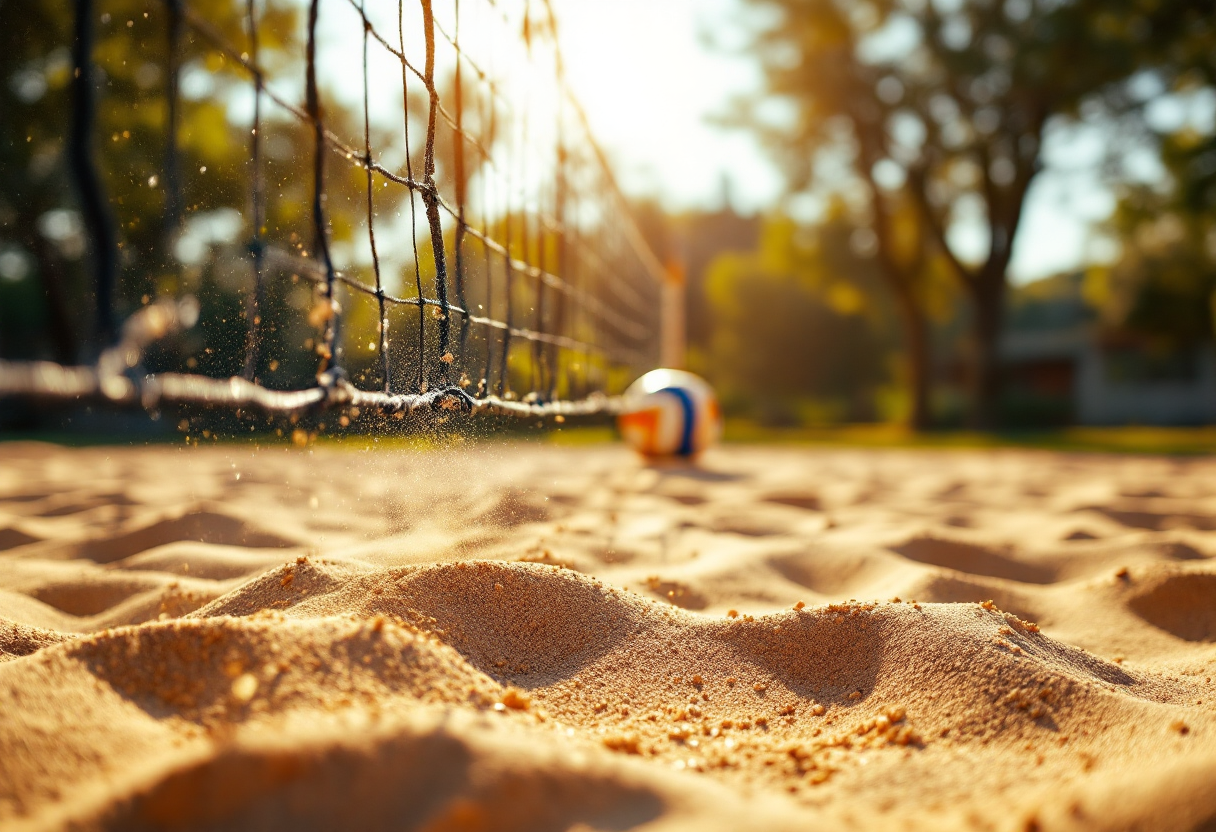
995,214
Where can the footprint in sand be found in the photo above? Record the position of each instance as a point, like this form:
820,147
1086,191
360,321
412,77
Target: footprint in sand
94,593
1177,550
686,499
1156,521
809,502
68,505
199,526
951,589
1182,604
831,573
971,558
676,593
11,538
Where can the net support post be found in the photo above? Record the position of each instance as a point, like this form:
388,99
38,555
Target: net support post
672,337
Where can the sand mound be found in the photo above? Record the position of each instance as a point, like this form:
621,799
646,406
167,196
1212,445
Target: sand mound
18,640
660,648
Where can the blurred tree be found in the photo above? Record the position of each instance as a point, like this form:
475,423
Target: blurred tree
795,324
1164,284
943,106
37,245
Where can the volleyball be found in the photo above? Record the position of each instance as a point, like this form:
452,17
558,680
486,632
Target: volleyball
670,413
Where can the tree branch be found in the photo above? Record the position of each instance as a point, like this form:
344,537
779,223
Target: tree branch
918,185
1007,215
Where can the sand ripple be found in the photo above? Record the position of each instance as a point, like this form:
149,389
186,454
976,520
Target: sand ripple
538,638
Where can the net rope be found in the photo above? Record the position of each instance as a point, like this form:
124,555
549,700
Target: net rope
538,293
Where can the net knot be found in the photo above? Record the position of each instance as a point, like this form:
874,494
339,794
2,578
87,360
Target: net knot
337,389
453,399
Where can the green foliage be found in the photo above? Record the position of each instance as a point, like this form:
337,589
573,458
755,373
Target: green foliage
797,327
1163,286
35,74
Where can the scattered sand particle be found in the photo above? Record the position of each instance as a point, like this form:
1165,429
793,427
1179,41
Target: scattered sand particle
516,699
244,687
625,743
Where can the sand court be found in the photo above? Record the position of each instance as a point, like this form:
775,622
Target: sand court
526,636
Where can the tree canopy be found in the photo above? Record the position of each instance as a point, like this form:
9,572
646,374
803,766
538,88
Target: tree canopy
941,108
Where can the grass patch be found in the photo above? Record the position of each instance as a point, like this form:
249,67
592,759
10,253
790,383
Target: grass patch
1193,441
1131,440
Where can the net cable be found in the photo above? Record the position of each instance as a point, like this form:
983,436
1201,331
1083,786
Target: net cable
565,273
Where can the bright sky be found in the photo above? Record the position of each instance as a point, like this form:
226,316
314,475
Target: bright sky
650,84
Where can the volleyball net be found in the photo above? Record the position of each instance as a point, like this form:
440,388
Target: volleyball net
343,204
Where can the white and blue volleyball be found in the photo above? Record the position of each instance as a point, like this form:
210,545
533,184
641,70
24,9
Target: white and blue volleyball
670,413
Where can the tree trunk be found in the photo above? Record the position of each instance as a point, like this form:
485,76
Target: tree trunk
50,272
900,280
916,357
988,298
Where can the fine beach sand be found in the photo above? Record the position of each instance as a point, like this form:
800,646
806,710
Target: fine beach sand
532,637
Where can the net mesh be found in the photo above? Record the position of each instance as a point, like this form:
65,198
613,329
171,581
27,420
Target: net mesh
435,216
